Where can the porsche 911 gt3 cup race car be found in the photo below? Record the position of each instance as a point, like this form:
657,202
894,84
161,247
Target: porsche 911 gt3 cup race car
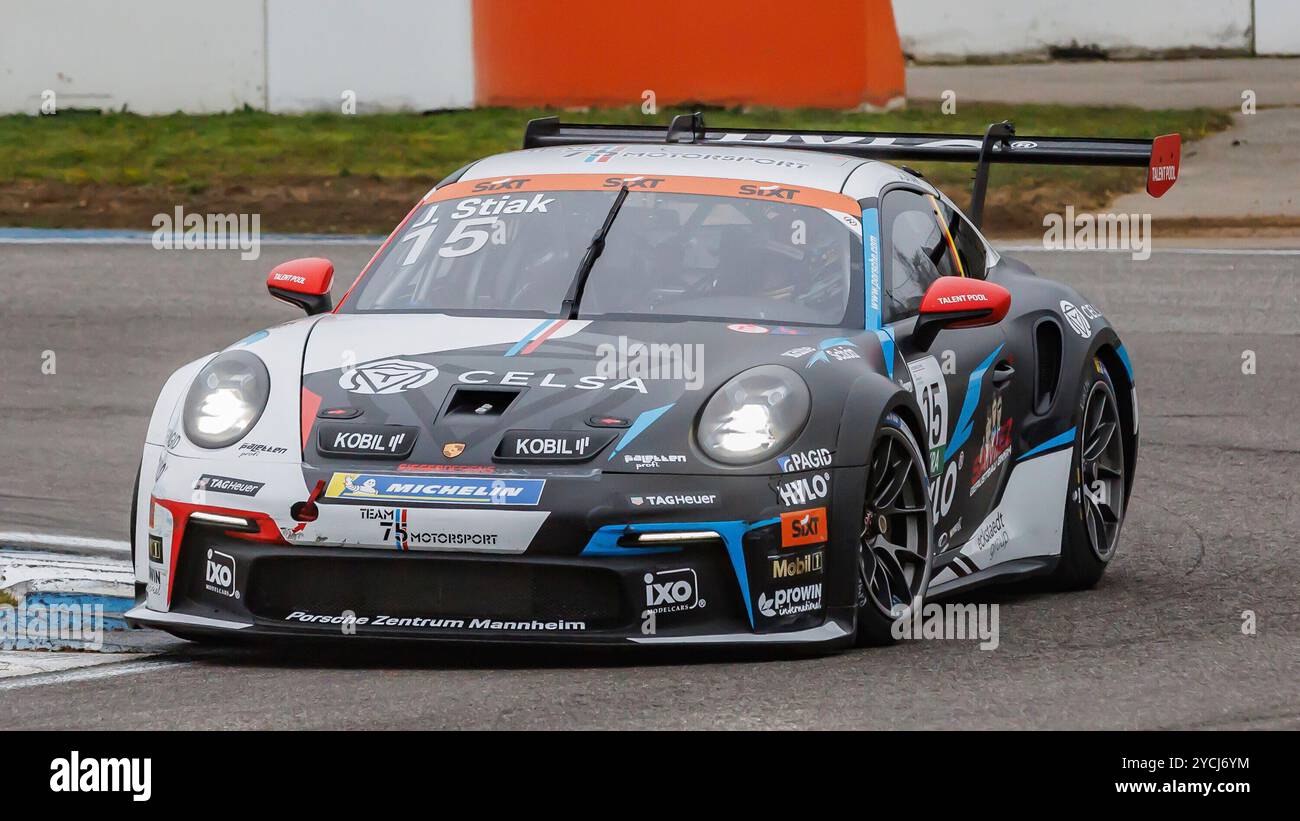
645,385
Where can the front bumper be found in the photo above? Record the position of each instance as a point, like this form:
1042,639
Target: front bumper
582,577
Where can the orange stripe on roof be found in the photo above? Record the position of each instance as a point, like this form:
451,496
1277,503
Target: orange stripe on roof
652,183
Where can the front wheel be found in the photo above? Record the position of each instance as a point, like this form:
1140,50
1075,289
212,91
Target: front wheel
894,546
1094,506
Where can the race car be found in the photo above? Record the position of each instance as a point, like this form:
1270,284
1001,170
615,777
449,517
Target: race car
648,386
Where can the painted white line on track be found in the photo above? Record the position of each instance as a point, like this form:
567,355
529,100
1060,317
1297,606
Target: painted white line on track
125,668
69,542
1245,252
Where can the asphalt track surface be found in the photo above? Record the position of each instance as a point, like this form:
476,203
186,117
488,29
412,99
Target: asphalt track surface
1158,644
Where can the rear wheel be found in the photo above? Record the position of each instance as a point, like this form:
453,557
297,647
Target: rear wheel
1094,506
894,546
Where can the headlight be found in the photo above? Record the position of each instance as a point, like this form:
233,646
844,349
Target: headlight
754,416
226,399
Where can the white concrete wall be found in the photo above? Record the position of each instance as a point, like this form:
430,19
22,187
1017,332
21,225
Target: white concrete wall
394,54
1277,27
152,56
948,29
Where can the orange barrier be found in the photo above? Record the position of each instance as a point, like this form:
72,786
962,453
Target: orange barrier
564,53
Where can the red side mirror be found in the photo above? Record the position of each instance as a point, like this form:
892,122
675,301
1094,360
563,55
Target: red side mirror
959,302
303,282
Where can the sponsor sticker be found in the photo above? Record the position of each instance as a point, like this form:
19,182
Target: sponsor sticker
155,548
674,500
219,576
805,460
802,527
441,490
375,441
804,490
387,376
227,484
791,601
551,446
672,591
788,567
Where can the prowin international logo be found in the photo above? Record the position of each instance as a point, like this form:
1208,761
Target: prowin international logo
127,775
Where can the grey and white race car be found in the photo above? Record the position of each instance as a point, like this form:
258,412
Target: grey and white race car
638,385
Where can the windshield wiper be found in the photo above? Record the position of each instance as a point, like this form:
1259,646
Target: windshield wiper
573,298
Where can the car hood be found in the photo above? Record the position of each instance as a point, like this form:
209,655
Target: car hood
646,381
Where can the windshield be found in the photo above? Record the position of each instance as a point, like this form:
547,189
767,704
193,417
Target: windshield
677,248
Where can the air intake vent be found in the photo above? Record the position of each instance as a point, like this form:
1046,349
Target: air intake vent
480,402
1047,353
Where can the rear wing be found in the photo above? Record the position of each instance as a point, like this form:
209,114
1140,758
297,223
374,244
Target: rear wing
999,144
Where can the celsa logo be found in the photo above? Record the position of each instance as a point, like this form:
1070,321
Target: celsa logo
672,590
1077,320
385,376
507,184
775,191
220,576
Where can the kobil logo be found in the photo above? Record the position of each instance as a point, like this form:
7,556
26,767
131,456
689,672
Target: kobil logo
801,527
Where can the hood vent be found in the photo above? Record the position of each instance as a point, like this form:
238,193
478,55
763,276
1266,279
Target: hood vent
479,402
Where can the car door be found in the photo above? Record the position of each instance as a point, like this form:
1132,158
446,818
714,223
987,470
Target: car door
959,379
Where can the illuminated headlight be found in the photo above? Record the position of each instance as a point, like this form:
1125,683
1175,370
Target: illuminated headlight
226,399
754,416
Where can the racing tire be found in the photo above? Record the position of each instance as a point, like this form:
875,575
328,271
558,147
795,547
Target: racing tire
1095,501
895,544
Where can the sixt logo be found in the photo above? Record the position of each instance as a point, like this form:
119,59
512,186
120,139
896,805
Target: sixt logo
801,527
507,184
633,182
773,191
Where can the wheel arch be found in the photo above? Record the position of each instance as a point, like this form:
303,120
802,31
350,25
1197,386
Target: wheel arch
1121,377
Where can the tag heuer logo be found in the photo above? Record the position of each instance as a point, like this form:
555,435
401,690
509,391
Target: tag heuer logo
453,449
387,376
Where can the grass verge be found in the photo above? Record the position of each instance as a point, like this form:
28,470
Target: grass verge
334,173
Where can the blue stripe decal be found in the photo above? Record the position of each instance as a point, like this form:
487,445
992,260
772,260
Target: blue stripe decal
528,337
1055,442
968,406
871,246
642,422
1128,365
886,337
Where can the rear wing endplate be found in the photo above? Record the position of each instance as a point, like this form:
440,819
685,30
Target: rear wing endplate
999,144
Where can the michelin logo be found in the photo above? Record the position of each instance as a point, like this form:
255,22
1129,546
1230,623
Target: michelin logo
467,491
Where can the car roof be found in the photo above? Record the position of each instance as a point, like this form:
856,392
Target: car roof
745,162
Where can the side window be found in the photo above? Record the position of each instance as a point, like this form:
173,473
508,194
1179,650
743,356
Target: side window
919,251
967,241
